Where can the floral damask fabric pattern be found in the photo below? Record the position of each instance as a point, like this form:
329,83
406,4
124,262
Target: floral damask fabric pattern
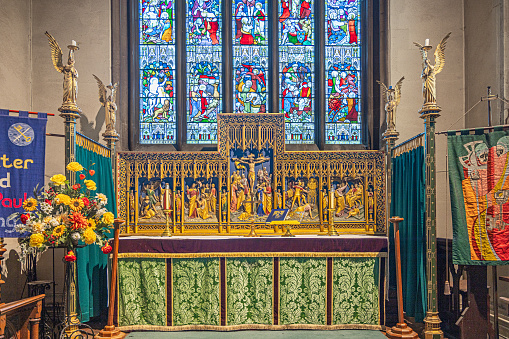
196,299
249,290
303,289
355,291
142,292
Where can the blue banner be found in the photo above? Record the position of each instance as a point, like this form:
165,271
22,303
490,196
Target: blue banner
22,151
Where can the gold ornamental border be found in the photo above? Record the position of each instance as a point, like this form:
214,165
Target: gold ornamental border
256,255
252,327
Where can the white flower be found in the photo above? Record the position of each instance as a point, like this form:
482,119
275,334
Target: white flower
103,199
76,236
46,208
54,222
20,228
38,227
29,222
101,212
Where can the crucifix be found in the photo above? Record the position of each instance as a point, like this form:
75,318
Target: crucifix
251,162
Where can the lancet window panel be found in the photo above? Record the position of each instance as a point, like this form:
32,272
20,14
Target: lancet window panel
296,70
343,72
204,69
158,118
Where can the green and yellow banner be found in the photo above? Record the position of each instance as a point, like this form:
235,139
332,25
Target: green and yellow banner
479,183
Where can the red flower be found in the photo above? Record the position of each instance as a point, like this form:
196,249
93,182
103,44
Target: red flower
76,187
78,221
92,172
86,202
106,249
48,201
70,256
24,218
82,176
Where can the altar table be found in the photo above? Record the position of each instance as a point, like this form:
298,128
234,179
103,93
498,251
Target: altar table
232,283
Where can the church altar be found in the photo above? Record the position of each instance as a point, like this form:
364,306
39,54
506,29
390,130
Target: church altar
209,276
232,283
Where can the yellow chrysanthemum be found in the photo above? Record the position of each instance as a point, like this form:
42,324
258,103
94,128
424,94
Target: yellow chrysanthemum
76,204
90,185
63,199
89,236
74,166
36,240
58,231
46,220
108,218
92,224
58,179
30,204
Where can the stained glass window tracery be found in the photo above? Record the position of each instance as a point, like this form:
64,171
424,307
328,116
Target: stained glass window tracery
157,72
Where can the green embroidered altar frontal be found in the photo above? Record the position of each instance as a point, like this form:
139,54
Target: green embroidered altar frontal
250,290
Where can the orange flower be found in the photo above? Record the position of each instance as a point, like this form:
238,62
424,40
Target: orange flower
78,221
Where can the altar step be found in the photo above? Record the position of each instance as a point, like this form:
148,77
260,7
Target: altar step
290,334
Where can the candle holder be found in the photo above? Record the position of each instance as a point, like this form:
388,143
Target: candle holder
332,230
253,232
288,232
167,230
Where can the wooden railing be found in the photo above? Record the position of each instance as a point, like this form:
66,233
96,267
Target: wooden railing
23,317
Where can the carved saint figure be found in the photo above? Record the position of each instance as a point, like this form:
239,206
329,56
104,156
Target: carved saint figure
70,74
392,96
108,101
430,71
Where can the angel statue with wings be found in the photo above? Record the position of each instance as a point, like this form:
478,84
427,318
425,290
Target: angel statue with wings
392,96
70,74
430,71
108,101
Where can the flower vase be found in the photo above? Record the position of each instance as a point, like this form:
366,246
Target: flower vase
72,326
71,305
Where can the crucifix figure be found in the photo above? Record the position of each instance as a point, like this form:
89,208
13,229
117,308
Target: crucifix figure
250,161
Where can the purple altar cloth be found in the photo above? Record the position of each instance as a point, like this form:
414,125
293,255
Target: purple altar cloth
346,243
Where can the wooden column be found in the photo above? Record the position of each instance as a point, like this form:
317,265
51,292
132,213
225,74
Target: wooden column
110,331
401,330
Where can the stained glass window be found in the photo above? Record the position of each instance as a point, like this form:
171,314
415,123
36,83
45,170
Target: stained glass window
296,69
250,72
343,72
203,46
157,72
250,56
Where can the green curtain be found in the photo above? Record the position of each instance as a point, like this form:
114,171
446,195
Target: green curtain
408,202
92,263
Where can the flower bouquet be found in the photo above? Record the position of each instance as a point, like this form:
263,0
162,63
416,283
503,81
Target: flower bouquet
63,214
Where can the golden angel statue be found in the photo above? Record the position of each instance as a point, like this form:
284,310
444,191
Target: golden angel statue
70,74
392,96
108,101
430,71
